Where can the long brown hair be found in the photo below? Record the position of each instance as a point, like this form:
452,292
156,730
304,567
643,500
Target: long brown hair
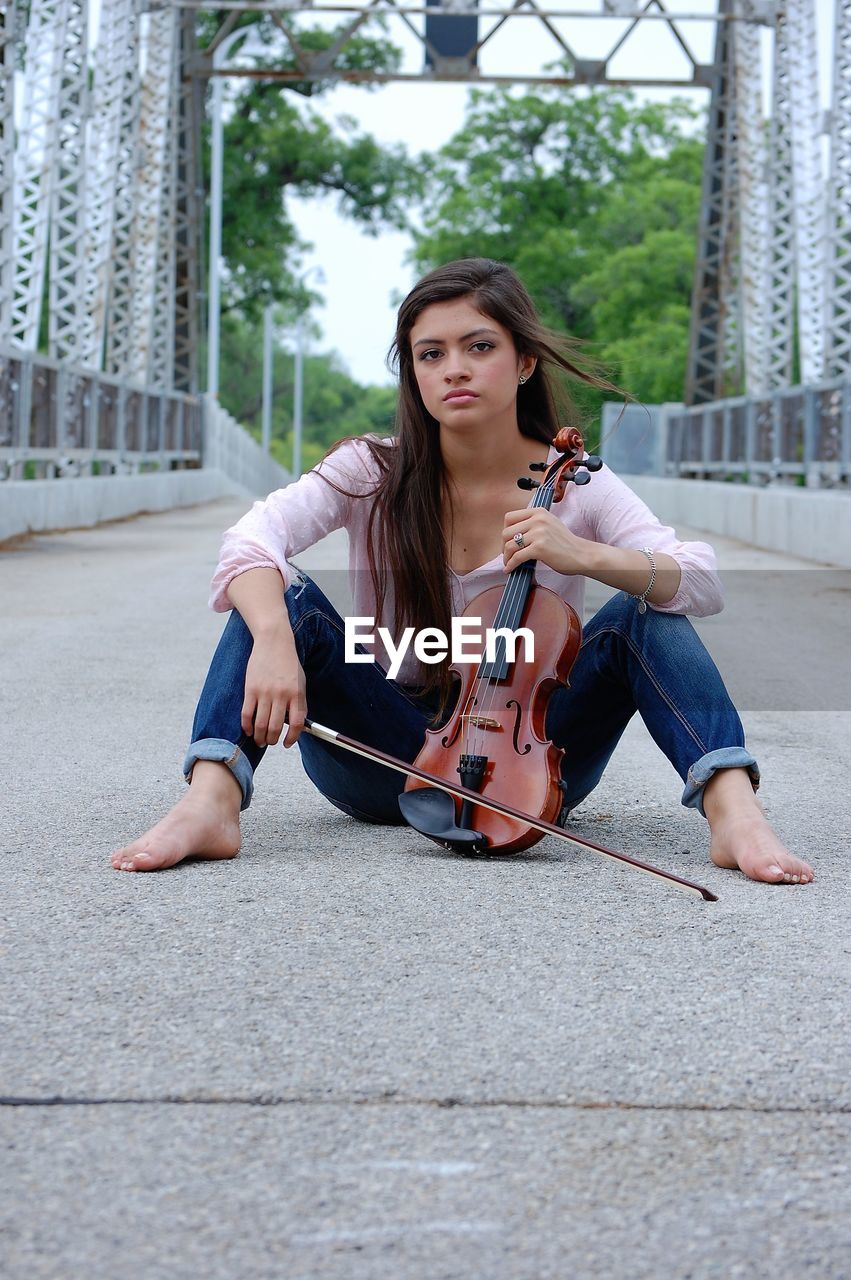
406,538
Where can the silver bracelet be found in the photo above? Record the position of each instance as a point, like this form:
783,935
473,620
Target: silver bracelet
642,607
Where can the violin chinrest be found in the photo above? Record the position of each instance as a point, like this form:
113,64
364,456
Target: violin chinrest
432,813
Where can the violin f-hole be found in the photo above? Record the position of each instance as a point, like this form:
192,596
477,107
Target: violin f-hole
518,716
452,738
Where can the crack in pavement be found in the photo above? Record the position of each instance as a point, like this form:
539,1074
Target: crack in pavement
400,1100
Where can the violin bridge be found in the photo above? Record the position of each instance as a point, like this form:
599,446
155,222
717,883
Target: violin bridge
482,722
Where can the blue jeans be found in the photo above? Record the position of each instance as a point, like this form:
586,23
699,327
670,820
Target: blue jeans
653,663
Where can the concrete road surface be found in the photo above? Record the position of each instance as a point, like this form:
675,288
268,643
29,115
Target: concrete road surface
350,1055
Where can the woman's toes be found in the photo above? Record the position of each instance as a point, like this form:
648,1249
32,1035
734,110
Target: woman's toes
128,859
123,859
144,860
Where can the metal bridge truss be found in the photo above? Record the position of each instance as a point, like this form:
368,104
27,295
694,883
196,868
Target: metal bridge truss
772,281
99,197
7,158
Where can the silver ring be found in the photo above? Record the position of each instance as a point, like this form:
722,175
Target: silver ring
519,540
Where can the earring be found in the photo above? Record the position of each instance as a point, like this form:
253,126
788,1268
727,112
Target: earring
522,379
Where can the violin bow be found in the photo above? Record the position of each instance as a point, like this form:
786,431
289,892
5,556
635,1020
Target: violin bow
465,793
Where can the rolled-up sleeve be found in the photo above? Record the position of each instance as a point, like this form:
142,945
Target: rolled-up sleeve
617,516
292,519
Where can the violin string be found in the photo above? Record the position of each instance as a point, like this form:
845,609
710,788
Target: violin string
510,600
488,687
475,742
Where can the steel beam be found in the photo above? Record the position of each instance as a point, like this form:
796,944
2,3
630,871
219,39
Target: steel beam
706,360
781,218
160,366
66,267
116,56
838,247
752,205
808,187
124,283
188,209
35,164
729,376
151,238
591,67
8,46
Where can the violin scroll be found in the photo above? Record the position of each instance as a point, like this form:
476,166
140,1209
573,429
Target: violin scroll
569,441
569,466
571,445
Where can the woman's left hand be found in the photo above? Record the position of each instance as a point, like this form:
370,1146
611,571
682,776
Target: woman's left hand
545,538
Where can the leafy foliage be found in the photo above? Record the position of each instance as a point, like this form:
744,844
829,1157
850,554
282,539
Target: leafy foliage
276,144
594,199
274,148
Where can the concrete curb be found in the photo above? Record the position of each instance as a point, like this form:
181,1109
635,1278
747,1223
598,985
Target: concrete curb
35,506
814,525
797,522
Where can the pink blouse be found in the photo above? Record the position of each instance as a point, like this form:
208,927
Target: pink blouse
294,518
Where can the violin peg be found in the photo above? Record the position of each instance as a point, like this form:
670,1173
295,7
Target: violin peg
537,466
525,483
592,462
581,477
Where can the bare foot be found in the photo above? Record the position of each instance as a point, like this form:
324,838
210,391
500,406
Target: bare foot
204,823
749,844
742,837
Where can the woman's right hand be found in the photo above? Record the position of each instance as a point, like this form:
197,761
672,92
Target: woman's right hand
275,690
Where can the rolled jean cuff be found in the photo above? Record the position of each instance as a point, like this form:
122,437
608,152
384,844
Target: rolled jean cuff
700,772
225,753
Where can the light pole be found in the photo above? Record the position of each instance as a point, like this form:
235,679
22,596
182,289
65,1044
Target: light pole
298,388
216,162
298,394
267,376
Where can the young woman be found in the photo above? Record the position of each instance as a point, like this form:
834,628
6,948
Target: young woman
433,519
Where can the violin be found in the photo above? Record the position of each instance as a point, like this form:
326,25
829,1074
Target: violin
494,740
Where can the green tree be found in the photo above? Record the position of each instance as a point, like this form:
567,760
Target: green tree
594,199
638,291
276,144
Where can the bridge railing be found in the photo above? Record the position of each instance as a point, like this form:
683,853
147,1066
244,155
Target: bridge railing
797,434
229,448
57,420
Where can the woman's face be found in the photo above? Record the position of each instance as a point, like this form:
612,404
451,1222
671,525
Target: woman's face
466,364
